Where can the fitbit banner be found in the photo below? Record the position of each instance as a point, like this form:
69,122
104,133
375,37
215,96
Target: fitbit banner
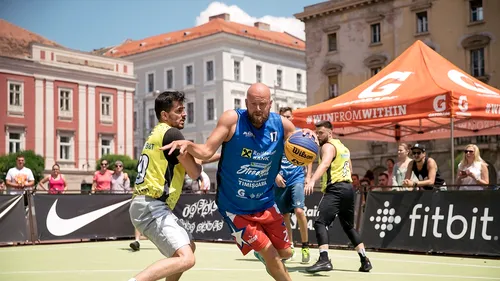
13,223
75,216
455,222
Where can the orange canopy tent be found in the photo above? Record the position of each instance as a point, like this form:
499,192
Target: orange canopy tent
418,96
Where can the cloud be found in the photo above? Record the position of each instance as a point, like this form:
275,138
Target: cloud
281,24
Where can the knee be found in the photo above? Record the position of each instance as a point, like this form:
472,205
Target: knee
188,261
319,224
286,253
299,212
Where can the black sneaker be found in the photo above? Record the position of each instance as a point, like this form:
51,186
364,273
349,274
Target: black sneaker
366,265
135,246
320,265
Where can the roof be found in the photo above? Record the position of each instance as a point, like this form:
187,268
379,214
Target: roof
212,27
16,41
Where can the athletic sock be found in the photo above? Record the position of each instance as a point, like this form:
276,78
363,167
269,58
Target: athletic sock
362,254
305,244
323,254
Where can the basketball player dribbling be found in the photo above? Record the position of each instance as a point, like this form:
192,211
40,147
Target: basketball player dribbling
252,146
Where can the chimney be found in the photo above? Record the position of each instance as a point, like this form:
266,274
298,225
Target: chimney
262,25
224,16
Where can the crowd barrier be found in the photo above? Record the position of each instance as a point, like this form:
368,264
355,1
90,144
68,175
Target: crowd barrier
455,222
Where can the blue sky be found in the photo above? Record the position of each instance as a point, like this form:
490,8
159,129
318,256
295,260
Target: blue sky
91,24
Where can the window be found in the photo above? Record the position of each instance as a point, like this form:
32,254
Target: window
332,42
65,105
299,82
15,97
151,118
236,70
258,73
375,32
106,107
106,145
210,110
14,142
237,103
279,78
151,82
169,79
189,75
476,10
374,71
422,22
64,148
135,121
333,87
210,70
477,62
190,112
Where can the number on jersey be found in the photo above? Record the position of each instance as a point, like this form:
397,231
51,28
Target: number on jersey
346,169
274,136
142,167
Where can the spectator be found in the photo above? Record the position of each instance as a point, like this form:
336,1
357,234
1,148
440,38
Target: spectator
355,181
390,169
425,169
370,176
383,183
120,182
2,186
472,170
399,170
364,187
57,182
204,182
19,178
102,179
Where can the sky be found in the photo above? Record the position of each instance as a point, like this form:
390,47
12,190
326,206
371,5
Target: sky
92,24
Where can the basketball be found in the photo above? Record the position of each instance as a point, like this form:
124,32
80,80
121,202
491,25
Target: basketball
300,150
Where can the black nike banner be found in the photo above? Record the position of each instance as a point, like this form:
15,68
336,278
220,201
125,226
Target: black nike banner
454,222
75,216
13,222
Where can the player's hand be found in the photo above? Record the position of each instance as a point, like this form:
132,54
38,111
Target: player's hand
311,134
178,144
280,181
309,188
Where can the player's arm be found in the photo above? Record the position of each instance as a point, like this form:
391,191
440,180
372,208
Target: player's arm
192,168
214,158
327,153
289,129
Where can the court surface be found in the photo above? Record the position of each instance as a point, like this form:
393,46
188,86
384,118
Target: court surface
110,261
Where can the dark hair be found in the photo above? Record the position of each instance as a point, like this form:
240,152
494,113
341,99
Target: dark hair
19,156
364,180
285,109
355,175
369,175
1,181
392,160
59,166
384,174
325,124
165,101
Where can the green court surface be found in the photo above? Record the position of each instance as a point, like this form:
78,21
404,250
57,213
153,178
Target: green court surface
113,261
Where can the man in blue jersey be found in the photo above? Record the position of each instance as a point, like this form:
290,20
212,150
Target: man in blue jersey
252,146
289,195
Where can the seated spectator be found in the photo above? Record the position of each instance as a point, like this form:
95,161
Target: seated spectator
370,176
383,183
19,178
120,182
425,169
472,170
57,182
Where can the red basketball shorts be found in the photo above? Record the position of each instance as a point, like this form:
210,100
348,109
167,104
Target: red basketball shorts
255,231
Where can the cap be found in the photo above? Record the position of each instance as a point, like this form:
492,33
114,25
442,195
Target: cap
418,146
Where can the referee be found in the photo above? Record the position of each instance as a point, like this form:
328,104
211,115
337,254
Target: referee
338,197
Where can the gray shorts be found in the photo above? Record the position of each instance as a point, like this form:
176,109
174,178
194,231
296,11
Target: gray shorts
155,220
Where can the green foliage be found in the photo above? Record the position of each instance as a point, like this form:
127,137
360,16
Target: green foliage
458,158
34,162
129,165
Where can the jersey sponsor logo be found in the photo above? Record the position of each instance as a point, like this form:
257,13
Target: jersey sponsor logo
247,153
248,134
255,170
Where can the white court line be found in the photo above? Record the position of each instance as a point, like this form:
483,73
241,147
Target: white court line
242,269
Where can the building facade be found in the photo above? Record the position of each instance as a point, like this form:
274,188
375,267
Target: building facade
349,41
214,64
70,107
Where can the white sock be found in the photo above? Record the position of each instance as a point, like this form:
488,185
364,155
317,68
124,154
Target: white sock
362,252
322,250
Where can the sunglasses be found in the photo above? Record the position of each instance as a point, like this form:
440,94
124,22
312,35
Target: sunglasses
104,164
119,166
417,152
468,151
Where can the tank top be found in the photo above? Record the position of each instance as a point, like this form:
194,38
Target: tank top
155,175
469,182
56,185
424,173
339,170
248,166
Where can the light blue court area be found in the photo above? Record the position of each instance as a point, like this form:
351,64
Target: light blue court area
113,261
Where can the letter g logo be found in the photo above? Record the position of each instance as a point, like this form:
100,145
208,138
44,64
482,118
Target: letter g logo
439,103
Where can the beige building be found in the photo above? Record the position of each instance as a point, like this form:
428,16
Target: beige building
348,41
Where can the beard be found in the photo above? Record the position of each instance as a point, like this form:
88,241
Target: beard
258,120
322,141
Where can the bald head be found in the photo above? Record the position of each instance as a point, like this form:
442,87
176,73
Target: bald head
258,104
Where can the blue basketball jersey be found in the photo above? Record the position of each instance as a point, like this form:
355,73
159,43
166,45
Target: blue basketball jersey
249,164
291,173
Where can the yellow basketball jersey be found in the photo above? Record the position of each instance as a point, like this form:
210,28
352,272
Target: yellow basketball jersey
339,170
154,173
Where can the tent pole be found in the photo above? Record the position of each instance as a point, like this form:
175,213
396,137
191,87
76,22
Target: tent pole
452,153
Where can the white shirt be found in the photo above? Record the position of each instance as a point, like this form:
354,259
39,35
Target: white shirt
475,169
15,175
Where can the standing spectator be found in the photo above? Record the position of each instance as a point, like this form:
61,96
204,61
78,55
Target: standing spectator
383,183
472,169
390,170
355,181
19,178
57,182
2,186
102,179
399,170
425,169
370,176
120,182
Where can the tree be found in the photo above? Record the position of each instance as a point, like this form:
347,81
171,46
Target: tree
35,162
129,165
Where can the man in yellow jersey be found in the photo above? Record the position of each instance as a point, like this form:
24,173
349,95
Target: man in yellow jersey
338,197
158,187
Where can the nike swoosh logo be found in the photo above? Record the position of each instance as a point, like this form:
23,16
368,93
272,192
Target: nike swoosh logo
60,227
11,206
